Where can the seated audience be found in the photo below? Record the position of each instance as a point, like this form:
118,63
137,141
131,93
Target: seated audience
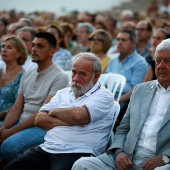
14,54
62,57
100,42
78,125
37,87
142,140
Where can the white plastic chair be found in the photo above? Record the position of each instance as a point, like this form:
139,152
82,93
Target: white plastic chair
114,82
111,134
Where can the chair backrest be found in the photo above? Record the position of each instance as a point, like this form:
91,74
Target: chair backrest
69,73
114,82
111,134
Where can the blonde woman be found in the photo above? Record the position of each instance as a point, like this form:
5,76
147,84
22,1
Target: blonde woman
14,54
100,42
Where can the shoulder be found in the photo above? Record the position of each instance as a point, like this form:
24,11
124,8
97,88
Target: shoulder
145,85
30,72
58,70
114,60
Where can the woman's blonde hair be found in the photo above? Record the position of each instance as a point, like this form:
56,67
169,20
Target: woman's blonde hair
20,46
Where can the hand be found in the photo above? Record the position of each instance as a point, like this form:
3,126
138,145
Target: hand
152,163
5,134
123,161
1,129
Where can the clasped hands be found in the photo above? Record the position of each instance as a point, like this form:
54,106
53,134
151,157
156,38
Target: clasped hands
123,162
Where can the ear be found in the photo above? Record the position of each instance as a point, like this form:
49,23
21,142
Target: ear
52,51
133,43
96,77
59,40
19,55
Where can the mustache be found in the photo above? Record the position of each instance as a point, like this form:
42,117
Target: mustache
76,84
34,54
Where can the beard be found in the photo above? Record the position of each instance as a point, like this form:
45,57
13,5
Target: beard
79,90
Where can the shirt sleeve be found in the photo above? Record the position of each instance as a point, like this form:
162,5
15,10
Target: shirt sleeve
100,105
139,72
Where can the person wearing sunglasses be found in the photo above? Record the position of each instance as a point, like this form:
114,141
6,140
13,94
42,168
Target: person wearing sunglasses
100,42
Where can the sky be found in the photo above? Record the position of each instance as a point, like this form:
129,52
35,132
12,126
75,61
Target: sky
59,6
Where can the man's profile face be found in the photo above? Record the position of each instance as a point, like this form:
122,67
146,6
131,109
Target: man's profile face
82,76
40,49
124,45
162,70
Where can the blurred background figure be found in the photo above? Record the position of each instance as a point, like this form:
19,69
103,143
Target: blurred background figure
11,28
68,32
83,31
157,37
3,25
62,57
14,54
143,33
165,6
100,42
27,34
25,22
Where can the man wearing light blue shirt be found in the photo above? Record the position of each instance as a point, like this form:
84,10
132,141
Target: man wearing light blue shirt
129,64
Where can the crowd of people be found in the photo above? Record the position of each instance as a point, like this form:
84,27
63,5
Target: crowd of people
39,106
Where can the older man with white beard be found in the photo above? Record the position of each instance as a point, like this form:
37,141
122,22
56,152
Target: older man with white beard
78,120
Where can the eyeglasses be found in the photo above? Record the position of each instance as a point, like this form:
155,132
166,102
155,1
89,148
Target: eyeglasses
96,40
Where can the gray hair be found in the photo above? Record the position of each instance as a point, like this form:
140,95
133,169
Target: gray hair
131,33
89,27
28,21
163,46
92,57
27,28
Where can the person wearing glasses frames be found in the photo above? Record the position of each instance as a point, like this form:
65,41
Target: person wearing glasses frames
100,42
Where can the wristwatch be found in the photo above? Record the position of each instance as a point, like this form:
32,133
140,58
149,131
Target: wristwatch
165,159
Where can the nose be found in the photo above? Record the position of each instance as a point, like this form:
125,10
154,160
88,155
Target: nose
75,77
161,64
33,48
3,49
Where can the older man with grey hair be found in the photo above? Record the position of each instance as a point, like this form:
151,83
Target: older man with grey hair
79,120
142,141
83,31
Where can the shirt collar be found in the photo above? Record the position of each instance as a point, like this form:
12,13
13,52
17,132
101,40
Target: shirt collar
130,55
160,88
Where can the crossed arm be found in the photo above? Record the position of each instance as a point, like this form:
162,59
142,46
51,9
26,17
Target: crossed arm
62,117
7,129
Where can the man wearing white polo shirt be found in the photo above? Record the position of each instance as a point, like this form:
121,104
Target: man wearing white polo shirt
79,120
